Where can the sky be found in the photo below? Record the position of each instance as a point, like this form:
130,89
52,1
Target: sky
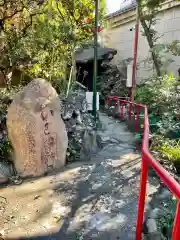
113,5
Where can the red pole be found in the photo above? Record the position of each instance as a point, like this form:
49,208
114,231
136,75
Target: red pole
142,196
176,229
135,56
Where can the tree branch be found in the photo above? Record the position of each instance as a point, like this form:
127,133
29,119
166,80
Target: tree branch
59,11
13,14
151,45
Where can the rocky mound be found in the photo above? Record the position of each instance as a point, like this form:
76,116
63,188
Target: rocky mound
112,81
80,125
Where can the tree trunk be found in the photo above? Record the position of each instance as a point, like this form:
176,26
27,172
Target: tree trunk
151,45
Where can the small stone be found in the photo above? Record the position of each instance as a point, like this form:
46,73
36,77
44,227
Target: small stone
166,194
96,186
114,141
151,225
18,181
105,139
134,229
79,121
154,213
37,197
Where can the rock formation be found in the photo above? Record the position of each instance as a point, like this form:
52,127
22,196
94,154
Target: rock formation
83,140
112,81
36,130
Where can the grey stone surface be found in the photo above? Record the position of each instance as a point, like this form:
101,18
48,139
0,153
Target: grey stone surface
87,200
5,172
82,138
104,196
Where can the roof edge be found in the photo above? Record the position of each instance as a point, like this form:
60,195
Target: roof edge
114,14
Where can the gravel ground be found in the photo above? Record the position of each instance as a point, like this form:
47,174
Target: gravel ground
87,200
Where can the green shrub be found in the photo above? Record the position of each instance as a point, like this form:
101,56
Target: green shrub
60,85
160,94
165,222
167,148
171,152
5,147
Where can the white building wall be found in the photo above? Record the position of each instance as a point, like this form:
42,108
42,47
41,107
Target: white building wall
122,39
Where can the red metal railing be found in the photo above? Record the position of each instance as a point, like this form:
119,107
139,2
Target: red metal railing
147,160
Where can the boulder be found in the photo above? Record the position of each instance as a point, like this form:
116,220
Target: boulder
36,130
112,81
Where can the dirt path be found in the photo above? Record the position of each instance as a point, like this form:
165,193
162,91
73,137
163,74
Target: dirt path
95,200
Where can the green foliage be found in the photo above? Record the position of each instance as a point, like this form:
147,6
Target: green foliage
151,5
5,97
59,85
167,149
5,147
160,94
148,10
39,37
174,47
166,222
171,152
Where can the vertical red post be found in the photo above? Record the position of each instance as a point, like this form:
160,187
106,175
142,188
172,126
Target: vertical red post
122,111
109,102
142,196
137,118
115,102
135,56
176,229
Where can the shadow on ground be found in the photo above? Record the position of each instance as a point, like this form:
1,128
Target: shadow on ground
94,200
99,204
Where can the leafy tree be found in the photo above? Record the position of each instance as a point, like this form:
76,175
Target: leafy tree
147,10
15,19
174,47
40,36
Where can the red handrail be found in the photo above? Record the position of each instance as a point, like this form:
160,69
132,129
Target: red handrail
147,159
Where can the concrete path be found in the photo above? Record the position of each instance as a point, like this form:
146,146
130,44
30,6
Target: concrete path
94,200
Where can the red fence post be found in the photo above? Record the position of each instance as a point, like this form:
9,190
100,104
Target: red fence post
120,109
176,228
142,196
147,159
